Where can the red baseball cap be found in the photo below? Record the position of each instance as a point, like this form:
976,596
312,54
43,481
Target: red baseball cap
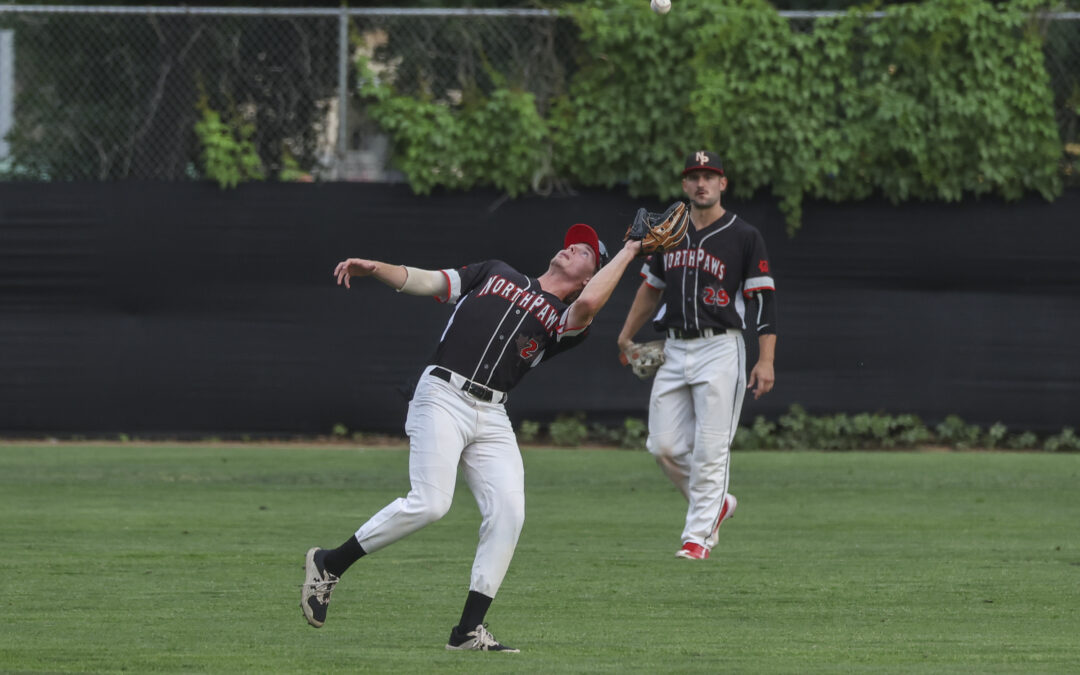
583,234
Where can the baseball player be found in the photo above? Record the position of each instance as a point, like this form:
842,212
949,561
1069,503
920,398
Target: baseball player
701,294
504,324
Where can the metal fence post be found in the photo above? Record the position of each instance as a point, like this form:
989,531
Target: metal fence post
7,87
343,94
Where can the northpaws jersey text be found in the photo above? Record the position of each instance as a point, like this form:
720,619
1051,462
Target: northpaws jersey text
697,258
533,303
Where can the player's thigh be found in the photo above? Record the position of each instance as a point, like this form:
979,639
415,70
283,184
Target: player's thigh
492,465
671,413
439,425
720,386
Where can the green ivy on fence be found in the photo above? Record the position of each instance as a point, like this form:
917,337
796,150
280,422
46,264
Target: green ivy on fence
228,152
933,101
497,139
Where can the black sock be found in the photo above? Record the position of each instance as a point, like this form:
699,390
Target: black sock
476,607
339,559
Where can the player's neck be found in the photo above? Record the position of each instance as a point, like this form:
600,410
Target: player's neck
702,218
556,283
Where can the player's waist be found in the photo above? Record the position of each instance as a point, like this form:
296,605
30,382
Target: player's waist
694,333
474,389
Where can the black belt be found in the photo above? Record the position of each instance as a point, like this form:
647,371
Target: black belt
471,388
693,333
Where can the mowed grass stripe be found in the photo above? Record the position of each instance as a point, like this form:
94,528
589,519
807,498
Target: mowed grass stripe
164,558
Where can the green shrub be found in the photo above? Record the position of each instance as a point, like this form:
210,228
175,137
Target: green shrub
634,433
955,432
995,435
1067,440
601,433
911,432
1022,441
798,430
758,436
529,431
568,430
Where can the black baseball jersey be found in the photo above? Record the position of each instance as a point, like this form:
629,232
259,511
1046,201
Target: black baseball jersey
708,278
503,325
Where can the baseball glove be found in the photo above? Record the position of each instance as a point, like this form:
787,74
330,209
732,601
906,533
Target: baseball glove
659,232
644,358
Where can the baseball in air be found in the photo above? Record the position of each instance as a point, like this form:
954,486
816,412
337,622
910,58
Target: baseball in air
660,6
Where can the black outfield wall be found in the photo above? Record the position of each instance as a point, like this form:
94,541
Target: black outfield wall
184,309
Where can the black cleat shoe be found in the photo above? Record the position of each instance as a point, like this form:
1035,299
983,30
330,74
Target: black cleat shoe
477,640
318,585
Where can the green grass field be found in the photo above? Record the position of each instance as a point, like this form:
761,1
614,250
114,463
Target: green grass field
162,558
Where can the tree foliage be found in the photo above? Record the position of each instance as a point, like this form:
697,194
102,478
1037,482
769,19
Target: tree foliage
114,97
494,139
934,101
228,154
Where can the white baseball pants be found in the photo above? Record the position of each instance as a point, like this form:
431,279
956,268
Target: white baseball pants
694,409
448,427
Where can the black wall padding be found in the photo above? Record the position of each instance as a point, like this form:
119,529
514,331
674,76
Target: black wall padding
185,309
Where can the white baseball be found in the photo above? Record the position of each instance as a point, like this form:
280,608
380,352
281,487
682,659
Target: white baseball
660,6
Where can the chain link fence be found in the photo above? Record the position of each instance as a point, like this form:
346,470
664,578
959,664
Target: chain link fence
109,93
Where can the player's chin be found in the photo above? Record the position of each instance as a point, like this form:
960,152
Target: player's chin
560,264
704,204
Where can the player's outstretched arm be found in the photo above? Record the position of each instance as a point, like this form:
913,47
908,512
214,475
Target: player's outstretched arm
409,280
599,289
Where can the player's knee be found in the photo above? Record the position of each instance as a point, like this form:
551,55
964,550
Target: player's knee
431,505
515,513
665,446
507,517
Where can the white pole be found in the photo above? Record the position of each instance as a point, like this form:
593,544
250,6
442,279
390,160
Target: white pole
343,94
7,87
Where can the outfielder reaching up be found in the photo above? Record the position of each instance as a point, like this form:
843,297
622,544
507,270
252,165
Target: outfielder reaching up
707,284
504,324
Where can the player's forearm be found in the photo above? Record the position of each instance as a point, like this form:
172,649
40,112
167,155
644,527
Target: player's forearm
423,282
767,348
643,307
599,289
393,276
411,280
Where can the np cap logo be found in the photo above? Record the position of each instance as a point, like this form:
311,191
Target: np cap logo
704,160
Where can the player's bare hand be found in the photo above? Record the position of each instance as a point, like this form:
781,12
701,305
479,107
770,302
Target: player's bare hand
633,245
353,267
762,379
